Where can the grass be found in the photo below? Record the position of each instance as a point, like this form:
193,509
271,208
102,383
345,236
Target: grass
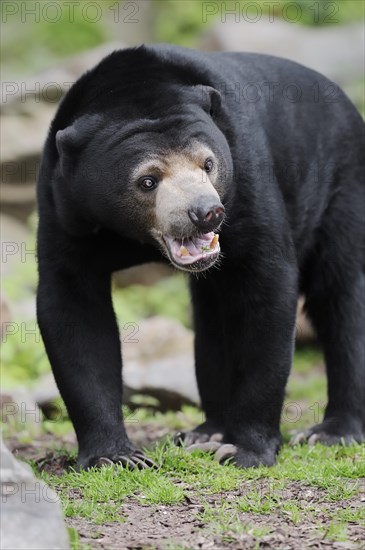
350,515
336,532
335,471
75,543
315,485
305,481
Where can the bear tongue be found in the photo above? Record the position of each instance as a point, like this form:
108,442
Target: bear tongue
203,240
205,237
193,245
191,248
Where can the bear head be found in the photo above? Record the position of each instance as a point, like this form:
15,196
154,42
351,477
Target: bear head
158,172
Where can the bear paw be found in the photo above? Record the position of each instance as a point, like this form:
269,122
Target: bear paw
206,438
132,460
329,432
204,433
228,453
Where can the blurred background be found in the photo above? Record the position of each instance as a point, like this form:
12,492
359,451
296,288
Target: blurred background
45,47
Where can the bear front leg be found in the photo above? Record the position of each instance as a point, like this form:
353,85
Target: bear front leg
259,338
81,337
212,375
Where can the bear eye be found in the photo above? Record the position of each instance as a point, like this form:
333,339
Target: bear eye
208,165
148,183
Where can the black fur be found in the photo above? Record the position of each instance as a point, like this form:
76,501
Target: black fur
292,173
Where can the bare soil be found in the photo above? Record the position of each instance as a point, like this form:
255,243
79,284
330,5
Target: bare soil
157,527
176,527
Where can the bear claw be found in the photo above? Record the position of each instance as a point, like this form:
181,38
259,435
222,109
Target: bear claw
136,460
311,438
298,439
225,452
207,446
304,437
187,439
195,441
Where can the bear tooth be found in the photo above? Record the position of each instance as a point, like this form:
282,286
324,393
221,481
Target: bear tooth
184,251
214,241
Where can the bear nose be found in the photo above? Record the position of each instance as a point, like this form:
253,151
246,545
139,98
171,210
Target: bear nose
205,216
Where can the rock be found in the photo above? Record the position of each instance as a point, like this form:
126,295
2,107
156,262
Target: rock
5,315
17,255
160,363
45,393
50,85
23,138
16,251
136,22
27,109
18,408
25,310
334,50
14,248
31,511
305,332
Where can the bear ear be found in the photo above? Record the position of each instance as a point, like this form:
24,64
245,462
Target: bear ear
66,144
69,143
71,139
211,99
66,140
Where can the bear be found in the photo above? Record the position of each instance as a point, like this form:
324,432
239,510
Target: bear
244,171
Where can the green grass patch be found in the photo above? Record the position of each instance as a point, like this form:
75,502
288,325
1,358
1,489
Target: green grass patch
98,494
75,542
306,358
350,515
169,298
334,531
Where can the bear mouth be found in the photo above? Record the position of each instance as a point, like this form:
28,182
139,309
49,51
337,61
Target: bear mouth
193,253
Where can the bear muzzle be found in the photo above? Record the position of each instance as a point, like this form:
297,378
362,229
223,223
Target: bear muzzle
207,217
195,253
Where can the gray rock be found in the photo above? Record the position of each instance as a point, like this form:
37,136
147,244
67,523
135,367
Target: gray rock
27,109
31,515
19,408
5,314
14,248
160,363
50,85
22,139
46,391
334,50
305,332
16,251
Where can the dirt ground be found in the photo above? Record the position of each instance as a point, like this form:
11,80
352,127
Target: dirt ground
178,527
155,527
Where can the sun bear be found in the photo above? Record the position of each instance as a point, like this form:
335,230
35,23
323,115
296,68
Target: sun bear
243,170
